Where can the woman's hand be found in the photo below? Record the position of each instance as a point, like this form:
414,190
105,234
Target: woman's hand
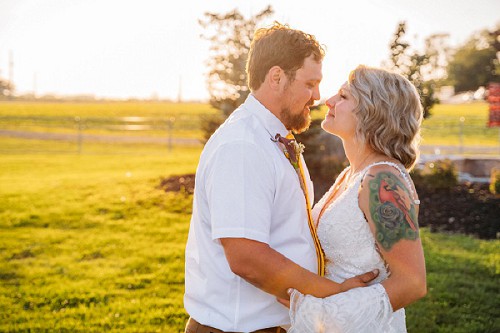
283,301
359,280
354,282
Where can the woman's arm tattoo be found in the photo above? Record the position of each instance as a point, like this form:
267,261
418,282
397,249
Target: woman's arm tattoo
392,210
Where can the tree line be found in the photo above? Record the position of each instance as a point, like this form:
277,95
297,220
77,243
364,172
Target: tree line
467,67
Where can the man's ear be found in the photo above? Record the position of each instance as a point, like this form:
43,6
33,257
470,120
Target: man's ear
274,77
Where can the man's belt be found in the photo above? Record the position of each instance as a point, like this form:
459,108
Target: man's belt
193,326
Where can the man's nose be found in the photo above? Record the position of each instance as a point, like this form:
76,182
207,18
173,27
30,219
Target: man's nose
316,95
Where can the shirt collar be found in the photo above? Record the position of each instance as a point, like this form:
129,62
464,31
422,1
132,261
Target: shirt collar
270,122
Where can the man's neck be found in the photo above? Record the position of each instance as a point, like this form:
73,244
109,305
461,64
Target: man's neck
268,100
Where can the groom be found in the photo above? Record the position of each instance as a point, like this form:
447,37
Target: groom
249,237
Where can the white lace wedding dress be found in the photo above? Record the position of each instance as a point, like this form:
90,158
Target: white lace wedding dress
350,250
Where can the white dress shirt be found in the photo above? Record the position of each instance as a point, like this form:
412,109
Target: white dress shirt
245,188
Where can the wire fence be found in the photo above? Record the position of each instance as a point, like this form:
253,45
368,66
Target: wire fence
469,135
443,136
19,134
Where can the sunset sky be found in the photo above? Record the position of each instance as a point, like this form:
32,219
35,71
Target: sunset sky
122,48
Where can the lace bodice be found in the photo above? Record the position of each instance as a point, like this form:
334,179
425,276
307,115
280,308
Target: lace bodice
350,250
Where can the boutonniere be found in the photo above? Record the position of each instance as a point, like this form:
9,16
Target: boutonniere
292,149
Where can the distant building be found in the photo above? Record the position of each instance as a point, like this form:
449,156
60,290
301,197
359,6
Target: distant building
445,93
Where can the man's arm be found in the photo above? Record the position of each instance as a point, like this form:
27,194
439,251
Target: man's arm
269,270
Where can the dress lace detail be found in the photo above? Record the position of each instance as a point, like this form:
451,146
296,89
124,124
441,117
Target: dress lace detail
350,250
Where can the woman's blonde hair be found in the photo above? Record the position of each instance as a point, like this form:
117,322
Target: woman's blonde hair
389,113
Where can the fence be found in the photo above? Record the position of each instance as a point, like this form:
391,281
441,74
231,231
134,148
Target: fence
443,135
78,134
18,134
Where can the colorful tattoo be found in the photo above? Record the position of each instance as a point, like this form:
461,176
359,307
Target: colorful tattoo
392,210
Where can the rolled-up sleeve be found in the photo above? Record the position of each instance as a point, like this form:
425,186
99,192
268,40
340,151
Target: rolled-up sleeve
357,310
240,191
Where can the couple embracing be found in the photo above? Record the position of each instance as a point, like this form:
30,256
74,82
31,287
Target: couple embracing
259,257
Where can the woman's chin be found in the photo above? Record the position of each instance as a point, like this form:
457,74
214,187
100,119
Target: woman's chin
327,125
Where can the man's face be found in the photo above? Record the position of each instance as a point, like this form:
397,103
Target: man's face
299,94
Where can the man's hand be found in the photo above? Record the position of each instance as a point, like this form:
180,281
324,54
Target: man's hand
359,280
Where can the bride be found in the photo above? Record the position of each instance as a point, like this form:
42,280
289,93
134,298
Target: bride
368,219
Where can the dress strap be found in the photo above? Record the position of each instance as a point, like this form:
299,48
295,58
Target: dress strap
403,173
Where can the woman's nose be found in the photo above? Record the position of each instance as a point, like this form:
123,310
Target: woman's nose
330,102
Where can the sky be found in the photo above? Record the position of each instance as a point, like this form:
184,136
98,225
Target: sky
152,48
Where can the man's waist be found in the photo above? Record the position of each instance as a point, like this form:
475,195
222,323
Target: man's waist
269,313
195,327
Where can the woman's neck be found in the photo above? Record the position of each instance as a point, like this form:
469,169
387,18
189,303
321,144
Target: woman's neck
360,156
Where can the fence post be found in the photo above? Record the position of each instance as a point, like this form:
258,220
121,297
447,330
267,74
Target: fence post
79,134
461,135
170,127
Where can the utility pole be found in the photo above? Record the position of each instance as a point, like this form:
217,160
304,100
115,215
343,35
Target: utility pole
34,85
179,95
11,68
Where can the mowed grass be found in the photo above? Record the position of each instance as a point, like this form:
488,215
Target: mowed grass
90,244
103,109
460,124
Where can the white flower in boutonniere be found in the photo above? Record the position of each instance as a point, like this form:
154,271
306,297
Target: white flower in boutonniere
292,150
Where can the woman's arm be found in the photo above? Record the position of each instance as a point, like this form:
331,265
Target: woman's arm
389,206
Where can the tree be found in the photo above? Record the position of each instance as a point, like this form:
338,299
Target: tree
6,88
230,36
414,66
439,53
476,63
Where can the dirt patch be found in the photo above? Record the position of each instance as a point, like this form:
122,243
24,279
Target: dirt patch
182,183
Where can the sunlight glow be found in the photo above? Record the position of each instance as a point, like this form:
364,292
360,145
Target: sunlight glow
153,48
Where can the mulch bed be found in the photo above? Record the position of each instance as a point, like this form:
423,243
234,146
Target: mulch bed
178,183
466,208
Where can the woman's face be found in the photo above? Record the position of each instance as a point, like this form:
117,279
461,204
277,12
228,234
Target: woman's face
340,119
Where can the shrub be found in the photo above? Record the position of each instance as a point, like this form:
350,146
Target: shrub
209,125
437,175
495,181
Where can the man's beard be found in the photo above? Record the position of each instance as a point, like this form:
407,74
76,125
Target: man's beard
297,123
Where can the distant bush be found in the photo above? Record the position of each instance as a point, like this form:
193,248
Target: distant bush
209,124
495,181
436,175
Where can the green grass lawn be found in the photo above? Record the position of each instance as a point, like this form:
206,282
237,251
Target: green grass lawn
449,123
103,109
89,243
